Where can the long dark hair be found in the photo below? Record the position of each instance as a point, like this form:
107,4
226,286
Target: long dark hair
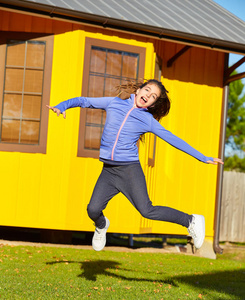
160,108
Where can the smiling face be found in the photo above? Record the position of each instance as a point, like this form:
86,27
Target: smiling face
147,96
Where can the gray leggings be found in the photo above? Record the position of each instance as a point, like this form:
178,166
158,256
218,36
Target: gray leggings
130,181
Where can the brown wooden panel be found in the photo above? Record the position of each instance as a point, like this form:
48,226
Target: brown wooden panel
13,21
103,117
5,21
197,65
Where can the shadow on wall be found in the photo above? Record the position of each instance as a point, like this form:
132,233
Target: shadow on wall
196,65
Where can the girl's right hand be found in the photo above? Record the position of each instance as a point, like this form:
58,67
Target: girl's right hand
215,161
57,111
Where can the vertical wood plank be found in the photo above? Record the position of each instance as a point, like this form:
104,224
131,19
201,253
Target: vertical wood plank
232,224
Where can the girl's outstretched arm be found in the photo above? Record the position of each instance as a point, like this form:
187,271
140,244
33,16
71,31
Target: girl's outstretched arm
57,111
180,144
89,102
215,161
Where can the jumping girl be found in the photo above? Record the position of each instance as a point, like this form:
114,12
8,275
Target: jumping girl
126,121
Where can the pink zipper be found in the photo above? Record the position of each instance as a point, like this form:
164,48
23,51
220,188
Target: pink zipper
112,152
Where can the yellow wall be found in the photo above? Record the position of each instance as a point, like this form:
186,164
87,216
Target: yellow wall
180,181
52,190
177,180
83,172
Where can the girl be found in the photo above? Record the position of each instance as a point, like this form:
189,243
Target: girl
126,121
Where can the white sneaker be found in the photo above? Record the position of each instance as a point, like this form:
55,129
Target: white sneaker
99,238
197,230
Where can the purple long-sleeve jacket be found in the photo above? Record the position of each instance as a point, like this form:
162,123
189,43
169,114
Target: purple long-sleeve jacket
125,123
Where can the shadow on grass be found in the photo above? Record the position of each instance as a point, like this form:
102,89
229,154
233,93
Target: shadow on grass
228,282
91,269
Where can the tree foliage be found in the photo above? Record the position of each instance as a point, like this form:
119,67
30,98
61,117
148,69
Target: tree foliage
235,130
234,163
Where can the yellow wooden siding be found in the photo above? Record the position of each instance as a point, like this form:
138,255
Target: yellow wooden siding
122,215
181,182
53,190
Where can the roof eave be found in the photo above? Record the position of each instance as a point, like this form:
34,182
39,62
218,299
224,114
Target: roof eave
122,25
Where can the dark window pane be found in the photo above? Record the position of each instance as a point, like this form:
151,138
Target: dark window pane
94,116
12,106
35,55
108,69
16,55
33,81
23,87
10,131
129,66
98,60
96,86
92,137
14,80
31,107
114,62
29,132
110,86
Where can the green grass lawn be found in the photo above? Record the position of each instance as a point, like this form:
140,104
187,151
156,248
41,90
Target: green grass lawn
71,273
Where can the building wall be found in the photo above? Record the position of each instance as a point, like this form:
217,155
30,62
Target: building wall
195,87
52,190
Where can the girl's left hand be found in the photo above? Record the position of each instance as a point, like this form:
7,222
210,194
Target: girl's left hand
215,162
57,111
